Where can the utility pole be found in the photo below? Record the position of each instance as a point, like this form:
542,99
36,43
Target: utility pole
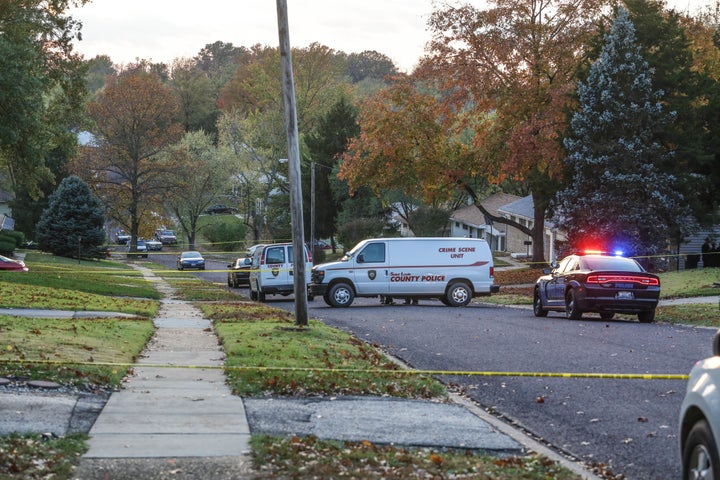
296,211
312,207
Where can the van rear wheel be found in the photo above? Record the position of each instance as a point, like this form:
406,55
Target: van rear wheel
458,294
340,295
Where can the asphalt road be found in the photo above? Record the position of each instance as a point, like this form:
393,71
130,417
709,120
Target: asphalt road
626,426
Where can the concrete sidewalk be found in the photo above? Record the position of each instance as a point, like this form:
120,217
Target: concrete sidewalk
164,414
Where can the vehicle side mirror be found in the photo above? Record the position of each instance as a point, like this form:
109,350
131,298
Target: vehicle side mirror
716,343
361,258
230,266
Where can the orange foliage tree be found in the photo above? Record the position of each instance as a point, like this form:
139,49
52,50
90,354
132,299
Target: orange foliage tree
402,146
135,118
510,69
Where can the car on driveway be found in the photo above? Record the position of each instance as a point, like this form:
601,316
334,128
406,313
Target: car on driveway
700,419
154,245
597,282
122,237
239,272
140,252
8,264
190,259
166,237
220,209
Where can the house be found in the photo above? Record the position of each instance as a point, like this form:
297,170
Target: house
6,220
469,221
689,250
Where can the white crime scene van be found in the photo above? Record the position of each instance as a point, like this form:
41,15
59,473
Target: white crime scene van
453,270
271,271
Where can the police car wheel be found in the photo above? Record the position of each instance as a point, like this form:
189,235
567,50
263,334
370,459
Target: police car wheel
572,311
458,294
538,309
341,295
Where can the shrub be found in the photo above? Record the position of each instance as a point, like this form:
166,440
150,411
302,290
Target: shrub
226,233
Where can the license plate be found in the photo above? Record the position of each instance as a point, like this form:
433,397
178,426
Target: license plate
624,295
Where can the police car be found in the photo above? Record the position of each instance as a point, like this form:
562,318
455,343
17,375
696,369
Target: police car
597,282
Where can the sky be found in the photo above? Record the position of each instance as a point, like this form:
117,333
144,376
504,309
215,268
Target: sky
162,30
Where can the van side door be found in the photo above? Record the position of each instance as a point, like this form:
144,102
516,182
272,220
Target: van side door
371,269
276,270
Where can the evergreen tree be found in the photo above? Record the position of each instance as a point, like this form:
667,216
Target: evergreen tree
72,225
326,145
617,196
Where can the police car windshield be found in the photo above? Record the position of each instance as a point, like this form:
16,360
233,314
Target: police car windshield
610,263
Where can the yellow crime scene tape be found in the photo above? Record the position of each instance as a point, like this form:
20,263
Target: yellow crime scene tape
612,376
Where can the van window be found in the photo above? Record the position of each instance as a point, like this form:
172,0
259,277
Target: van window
373,253
275,255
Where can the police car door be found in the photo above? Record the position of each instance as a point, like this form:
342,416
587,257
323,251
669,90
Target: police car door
556,286
371,271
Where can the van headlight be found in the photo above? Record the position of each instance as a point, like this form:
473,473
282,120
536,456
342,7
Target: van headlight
318,275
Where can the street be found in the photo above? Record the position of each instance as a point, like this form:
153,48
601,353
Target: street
628,426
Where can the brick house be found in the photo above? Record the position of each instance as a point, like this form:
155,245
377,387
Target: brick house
469,221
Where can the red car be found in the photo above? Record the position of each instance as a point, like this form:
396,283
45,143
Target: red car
12,265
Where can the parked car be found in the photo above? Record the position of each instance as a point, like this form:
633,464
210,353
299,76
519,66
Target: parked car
271,272
220,209
9,264
153,245
140,252
122,237
166,237
700,419
597,282
239,272
190,259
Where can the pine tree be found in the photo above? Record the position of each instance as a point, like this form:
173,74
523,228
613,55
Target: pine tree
617,196
72,225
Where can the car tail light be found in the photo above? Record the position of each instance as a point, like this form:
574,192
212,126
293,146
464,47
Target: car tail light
647,281
492,271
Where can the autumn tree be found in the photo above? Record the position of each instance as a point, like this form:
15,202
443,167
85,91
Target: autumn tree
505,75
200,174
196,95
702,32
369,64
618,196
135,119
255,143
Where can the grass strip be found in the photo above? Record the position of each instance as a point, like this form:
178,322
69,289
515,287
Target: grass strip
63,343
34,456
309,457
257,335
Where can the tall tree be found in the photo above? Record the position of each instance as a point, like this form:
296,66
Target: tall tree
196,95
72,225
135,119
507,72
369,64
618,196
41,88
200,175
325,146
